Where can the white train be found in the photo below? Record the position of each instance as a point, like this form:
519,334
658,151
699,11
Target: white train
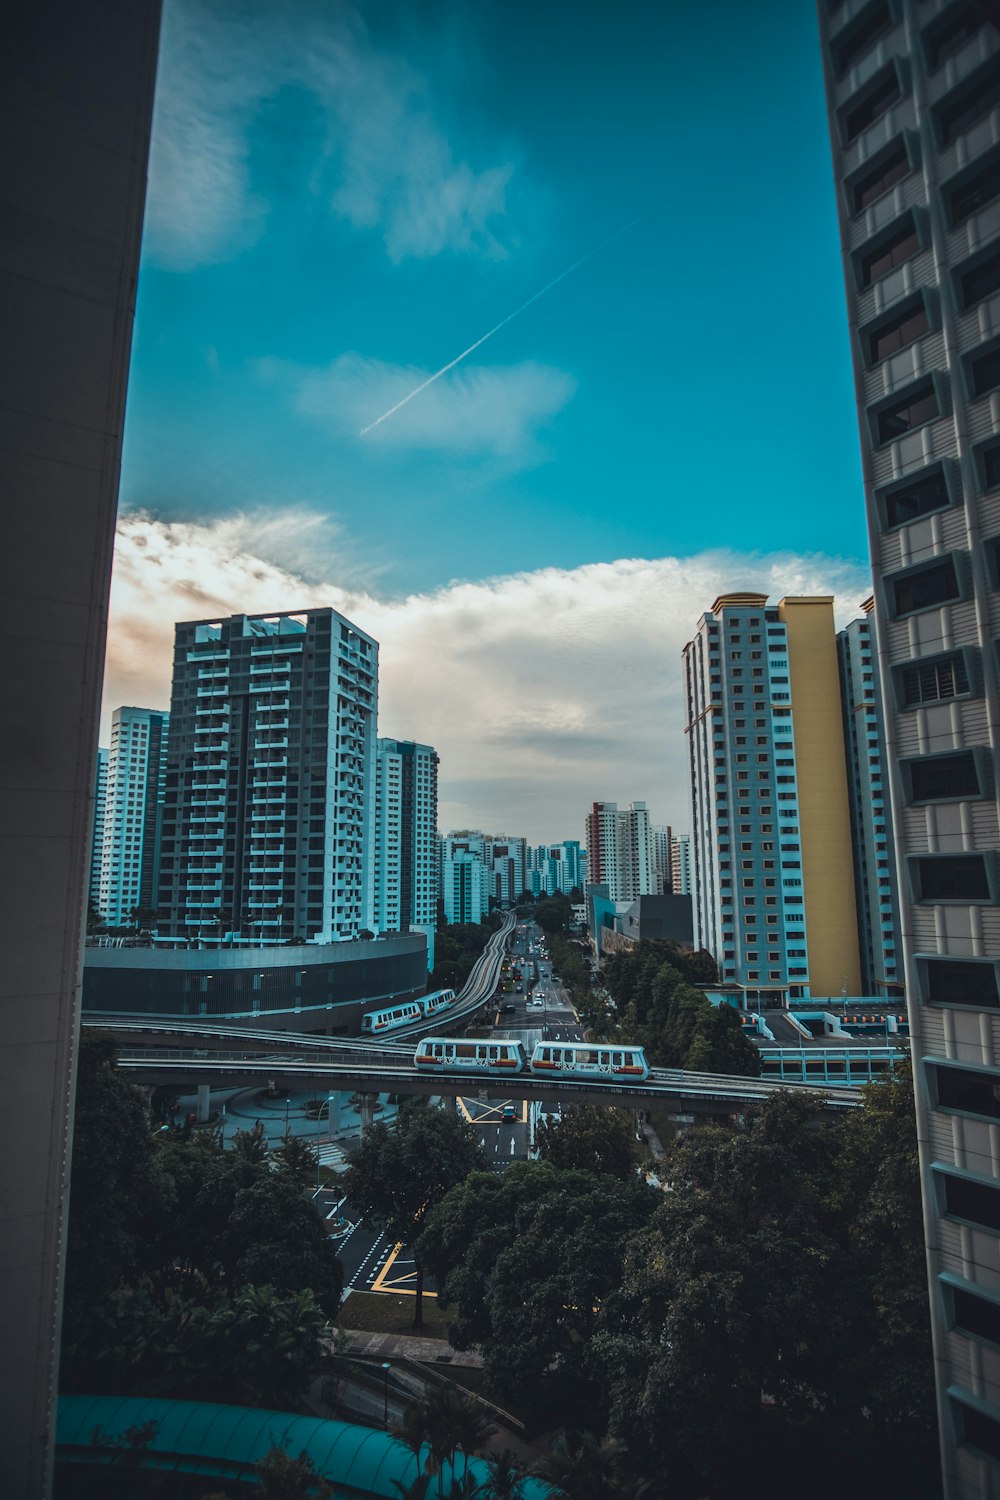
409,1010
600,1061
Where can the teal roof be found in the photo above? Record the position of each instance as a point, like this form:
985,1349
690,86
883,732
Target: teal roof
227,1441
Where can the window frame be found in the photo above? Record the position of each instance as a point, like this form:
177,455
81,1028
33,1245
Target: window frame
959,566
886,494
916,864
929,383
899,232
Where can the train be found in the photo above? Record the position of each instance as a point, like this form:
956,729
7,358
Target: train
598,1061
380,1021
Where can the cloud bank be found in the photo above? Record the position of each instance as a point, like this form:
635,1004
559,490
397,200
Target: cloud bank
541,691
385,160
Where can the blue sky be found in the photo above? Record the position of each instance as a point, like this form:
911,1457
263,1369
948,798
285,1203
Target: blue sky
344,198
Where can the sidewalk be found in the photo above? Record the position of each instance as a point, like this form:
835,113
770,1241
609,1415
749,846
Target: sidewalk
409,1346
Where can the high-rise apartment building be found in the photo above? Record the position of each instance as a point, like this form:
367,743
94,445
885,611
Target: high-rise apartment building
680,864
912,90
406,842
773,875
620,850
508,868
268,828
133,808
661,839
555,868
465,888
871,829
97,844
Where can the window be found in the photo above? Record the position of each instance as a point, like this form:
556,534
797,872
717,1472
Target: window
989,465
985,372
977,1429
926,492
966,1090
973,1201
955,981
888,253
902,329
865,109
978,1316
919,405
980,281
934,682
859,36
943,776
951,877
972,190
971,102
879,179
924,588
949,35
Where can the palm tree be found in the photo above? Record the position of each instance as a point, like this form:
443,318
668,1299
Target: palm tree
583,1467
415,1490
506,1479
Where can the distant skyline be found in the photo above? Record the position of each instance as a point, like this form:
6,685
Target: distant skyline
345,198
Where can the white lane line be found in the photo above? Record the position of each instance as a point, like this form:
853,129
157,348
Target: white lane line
512,1145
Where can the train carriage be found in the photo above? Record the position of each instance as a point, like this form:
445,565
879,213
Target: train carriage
589,1060
377,1021
440,1000
462,1055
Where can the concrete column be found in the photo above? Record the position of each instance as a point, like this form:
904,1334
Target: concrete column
202,1107
367,1106
76,95
334,1104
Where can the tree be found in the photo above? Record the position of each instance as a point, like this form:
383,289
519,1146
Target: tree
281,1477
398,1175
298,1159
553,913
592,1137
506,1476
584,1467
720,1045
525,1261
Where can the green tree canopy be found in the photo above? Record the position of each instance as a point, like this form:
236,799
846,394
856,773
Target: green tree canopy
399,1173
525,1258
592,1137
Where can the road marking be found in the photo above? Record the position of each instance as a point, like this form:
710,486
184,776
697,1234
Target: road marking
512,1145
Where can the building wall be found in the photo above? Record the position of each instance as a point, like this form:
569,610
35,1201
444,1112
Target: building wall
76,84
130,837
868,791
620,849
824,815
269,808
680,864
406,841
465,889
917,182
312,987
97,845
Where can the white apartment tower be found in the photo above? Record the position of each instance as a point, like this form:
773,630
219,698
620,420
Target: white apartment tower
620,850
680,864
97,842
465,888
661,840
268,829
132,812
913,94
406,845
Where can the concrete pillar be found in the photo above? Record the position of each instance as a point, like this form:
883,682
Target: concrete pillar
334,1105
76,95
367,1109
202,1107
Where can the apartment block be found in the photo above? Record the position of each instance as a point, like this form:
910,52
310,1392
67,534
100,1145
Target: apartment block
772,865
680,864
913,95
406,841
555,868
868,793
620,850
97,840
661,839
465,889
133,809
268,829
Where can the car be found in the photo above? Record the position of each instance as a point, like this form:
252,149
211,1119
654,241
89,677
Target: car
509,1112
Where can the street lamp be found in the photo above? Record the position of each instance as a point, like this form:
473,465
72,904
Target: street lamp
386,1367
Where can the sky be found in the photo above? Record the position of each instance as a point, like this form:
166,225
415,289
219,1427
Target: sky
629,212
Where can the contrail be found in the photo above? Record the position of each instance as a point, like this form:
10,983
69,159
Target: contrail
502,324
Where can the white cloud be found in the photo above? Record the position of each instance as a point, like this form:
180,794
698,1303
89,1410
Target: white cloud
541,691
491,409
389,164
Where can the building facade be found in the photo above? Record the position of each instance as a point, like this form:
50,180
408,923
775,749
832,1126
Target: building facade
133,811
772,866
97,843
465,888
871,829
269,809
680,864
912,93
620,850
661,840
406,841
555,868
